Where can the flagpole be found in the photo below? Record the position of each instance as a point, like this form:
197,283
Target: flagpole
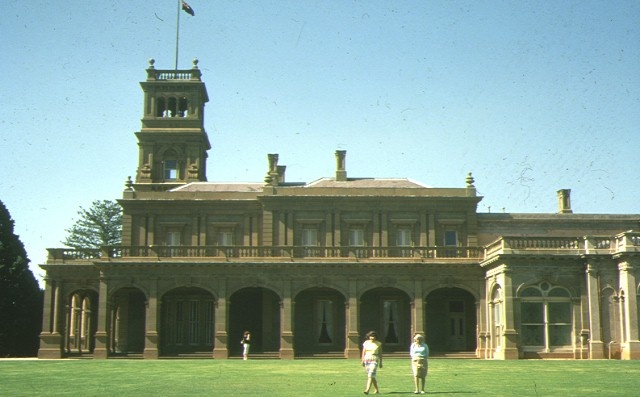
177,33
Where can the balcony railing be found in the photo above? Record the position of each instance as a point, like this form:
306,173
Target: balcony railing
589,245
293,252
621,243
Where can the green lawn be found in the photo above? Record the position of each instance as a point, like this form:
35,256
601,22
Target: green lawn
318,377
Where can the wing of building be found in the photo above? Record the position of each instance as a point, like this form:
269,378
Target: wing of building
309,267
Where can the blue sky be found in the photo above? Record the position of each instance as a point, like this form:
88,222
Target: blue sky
530,96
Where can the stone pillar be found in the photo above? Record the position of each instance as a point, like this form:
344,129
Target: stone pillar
352,349
220,347
286,320
101,349
282,229
417,308
377,235
481,324
510,335
267,228
337,232
596,346
424,229
151,322
431,233
631,344
384,230
50,338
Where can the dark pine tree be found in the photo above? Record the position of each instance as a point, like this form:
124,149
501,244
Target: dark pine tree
20,296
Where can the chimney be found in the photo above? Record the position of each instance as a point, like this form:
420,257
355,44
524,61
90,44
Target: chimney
564,201
272,177
341,172
281,171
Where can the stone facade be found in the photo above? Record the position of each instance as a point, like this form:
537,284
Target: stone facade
309,268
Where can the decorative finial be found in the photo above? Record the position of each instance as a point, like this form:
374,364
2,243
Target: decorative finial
470,180
129,184
151,63
195,63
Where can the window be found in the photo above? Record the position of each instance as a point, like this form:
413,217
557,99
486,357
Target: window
173,238
309,237
403,239
310,241
170,170
324,319
356,239
390,321
225,240
546,317
450,238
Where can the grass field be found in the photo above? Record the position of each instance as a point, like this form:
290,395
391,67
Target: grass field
456,377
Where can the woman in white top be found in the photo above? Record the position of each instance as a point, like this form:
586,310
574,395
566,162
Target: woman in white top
371,360
419,355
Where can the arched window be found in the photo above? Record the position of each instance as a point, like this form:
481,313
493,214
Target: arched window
546,317
161,107
183,107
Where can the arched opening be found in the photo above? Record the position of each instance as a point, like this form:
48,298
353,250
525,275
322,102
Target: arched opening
161,107
187,325
319,322
387,311
81,322
451,320
127,325
256,310
183,107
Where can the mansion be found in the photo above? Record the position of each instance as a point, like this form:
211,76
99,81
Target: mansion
309,267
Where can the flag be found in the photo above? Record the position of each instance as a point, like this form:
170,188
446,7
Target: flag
187,8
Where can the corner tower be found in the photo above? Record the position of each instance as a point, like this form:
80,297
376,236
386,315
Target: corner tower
172,142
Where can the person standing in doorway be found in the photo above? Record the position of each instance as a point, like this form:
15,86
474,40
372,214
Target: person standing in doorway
246,345
372,360
419,352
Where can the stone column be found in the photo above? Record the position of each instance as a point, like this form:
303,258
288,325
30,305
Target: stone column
481,324
286,320
384,230
101,349
431,233
352,349
510,335
220,347
596,346
424,229
631,344
417,317
50,338
151,322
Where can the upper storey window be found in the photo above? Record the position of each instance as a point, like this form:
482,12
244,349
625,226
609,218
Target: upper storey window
172,107
170,170
450,238
170,166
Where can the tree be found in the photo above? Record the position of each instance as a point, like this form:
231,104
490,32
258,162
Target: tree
21,298
98,226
